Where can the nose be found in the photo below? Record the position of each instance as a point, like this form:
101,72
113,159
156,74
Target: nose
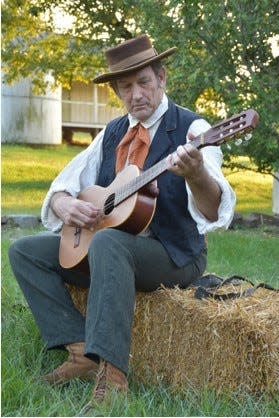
136,92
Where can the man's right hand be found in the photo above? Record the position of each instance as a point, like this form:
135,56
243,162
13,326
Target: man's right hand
75,212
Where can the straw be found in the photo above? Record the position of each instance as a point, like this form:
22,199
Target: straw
178,339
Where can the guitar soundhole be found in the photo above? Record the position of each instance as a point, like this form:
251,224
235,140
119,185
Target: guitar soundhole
109,204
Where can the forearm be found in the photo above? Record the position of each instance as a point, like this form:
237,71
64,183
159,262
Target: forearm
55,202
187,162
206,193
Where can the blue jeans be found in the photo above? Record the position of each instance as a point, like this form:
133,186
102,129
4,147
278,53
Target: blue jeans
120,264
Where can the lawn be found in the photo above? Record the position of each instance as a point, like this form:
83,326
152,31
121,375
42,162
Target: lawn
253,190
27,173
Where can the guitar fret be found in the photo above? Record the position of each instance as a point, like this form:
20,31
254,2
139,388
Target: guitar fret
139,182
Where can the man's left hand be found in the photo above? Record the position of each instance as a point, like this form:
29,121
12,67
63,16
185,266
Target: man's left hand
187,162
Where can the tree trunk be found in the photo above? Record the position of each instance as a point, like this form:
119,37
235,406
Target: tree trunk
275,195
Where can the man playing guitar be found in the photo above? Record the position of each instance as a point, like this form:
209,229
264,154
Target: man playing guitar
141,163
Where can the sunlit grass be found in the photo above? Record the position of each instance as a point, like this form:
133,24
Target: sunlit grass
253,191
27,173
82,138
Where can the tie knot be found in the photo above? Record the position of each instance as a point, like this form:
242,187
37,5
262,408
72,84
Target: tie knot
143,134
134,146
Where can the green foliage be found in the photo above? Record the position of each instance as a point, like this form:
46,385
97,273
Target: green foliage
224,48
224,62
39,50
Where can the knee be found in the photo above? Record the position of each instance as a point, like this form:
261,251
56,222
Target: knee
109,240
18,256
23,248
15,249
101,240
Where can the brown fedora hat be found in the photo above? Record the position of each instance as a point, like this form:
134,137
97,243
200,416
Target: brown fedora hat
129,56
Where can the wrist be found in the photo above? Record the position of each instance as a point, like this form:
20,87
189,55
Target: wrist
199,176
57,198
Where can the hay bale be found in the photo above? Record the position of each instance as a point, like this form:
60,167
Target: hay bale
232,344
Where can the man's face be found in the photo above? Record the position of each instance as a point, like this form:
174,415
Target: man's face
141,92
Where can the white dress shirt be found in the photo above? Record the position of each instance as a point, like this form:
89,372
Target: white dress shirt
84,169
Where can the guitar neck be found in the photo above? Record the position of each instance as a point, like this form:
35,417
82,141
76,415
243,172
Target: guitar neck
216,135
149,175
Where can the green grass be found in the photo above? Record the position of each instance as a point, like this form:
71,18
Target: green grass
27,173
253,190
249,253
24,358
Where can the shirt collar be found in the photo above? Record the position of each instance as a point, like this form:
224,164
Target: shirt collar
161,109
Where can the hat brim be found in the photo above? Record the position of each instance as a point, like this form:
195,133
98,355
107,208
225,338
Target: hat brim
104,78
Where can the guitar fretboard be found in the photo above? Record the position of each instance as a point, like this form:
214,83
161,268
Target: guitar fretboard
147,176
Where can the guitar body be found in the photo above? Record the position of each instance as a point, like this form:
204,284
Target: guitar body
132,215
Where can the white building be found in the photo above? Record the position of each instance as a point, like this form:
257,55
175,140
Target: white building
46,119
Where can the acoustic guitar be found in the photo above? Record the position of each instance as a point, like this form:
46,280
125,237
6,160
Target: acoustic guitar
126,203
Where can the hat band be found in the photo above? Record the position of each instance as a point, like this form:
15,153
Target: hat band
134,60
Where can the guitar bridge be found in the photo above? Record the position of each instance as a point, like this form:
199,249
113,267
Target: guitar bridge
77,236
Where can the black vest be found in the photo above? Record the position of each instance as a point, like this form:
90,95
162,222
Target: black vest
172,223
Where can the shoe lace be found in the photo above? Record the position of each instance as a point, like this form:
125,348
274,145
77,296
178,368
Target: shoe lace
101,384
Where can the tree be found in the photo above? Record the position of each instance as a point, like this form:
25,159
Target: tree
31,47
226,55
226,59
224,62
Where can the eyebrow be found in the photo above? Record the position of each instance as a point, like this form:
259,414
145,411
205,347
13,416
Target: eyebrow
141,79
123,82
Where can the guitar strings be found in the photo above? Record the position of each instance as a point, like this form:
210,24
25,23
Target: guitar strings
143,179
136,184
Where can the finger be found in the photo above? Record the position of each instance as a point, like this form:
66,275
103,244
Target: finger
190,136
170,161
182,157
72,220
192,151
86,208
182,151
87,222
77,217
153,190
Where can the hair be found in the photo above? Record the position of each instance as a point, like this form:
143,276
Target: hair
157,67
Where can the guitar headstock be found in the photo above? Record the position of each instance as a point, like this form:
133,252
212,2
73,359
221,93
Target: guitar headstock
230,128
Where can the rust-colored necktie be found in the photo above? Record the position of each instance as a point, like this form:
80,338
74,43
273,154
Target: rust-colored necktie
134,146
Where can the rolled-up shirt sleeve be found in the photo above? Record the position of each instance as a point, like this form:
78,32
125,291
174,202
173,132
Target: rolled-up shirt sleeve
213,158
81,172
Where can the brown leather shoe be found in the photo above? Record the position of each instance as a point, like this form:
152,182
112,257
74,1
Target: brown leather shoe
109,379
76,366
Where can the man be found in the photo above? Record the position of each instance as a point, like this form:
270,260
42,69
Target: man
193,198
